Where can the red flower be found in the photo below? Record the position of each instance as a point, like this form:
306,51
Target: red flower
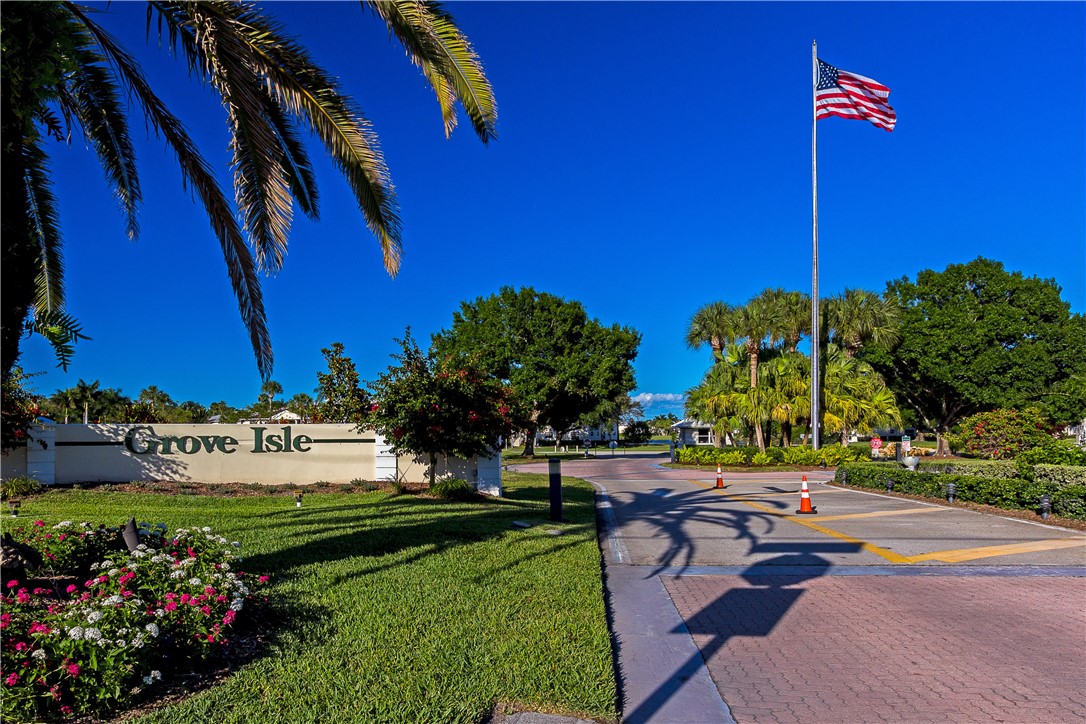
73,669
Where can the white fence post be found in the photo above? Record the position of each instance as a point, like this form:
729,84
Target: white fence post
490,474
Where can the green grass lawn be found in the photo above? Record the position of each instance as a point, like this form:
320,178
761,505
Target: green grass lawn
515,455
398,608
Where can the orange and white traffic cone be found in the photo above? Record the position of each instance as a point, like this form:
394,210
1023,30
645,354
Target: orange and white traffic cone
805,506
719,477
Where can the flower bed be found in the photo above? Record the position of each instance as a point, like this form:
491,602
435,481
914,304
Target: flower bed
99,625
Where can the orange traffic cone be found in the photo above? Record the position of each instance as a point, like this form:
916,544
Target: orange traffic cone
719,477
805,500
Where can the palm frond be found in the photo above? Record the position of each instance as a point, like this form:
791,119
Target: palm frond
60,329
303,182
303,89
45,229
433,42
196,173
94,102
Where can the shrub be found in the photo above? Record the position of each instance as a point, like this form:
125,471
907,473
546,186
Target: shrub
760,459
1054,452
453,489
19,486
94,647
1001,434
1068,499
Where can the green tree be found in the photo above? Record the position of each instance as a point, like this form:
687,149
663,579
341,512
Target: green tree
435,406
976,337
155,397
20,410
302,404
638,432
560,364
340,397
226,413
269,390
661,424
62,71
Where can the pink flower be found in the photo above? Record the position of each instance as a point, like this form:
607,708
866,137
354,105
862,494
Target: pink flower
22,646
185,598
39,523
13,584
171,596
229,618
12,679
61,537
5,620
209,590
73,669
37,627
206,610
72,588
220,598
65,709
191,553
262,579
171,606
102,579
126,593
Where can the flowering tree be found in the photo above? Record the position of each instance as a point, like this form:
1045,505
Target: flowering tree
20,408
1002,434
430,406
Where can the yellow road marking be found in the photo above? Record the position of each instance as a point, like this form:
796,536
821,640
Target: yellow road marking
969,554
864,545
882,513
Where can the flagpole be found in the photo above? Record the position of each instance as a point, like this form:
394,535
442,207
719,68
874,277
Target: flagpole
816,336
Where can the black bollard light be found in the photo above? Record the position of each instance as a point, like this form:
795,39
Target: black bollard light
1046,506
555,470
844,477
13,506
951,492
889,486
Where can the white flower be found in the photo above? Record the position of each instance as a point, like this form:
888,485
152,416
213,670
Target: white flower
121,643
151,629
159,613
148,680
179,573
137,641
75,633
113,601
94,616
195,582
92,634
62,524
107,564
102,643
156,675
94,566
206,529
39,654
237,604
114,572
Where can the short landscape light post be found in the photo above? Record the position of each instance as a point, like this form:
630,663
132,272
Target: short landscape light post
298,500
13,506
844,477
889,486
1046,506
951,492
555,471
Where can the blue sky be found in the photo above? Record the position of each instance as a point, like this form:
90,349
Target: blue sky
652,157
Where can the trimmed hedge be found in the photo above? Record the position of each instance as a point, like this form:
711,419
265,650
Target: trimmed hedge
750,456
1068,499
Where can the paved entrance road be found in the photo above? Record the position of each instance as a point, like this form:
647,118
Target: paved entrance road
876,609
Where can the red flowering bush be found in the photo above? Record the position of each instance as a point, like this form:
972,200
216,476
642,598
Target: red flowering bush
18,410
99,643
1001,434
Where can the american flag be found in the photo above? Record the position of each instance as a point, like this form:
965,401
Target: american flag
844,94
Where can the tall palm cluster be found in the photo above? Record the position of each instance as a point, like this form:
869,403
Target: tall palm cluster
64,74
759,377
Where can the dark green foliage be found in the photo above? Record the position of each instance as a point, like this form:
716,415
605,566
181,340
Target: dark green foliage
975,337
1068,499
638,432
454,489
342,398
559,363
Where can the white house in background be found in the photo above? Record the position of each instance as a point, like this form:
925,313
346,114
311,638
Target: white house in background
545,435
279,417
693,432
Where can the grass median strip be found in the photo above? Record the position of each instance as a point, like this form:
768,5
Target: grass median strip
399,608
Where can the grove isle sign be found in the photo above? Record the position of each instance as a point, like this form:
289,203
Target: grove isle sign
142,440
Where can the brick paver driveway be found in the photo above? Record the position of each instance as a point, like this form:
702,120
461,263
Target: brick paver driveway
875,609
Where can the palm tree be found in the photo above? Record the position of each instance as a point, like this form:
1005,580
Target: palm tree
858,317
856,395
155,397
713,324
268,391
62,70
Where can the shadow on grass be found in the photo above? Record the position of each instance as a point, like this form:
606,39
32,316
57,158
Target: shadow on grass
413,525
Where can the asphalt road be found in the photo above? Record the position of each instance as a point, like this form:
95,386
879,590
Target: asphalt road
727,605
